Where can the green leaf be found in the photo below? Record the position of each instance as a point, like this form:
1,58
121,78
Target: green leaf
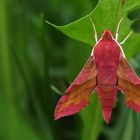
131,4
103,18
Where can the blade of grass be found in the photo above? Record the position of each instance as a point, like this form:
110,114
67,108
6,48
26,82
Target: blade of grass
8,115
92,119
129,127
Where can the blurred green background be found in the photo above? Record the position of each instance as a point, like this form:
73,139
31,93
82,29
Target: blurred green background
37,64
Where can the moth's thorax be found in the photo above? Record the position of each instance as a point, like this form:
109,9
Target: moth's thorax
106,53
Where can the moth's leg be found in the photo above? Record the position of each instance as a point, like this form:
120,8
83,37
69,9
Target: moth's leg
97,80
130,33
117,82
95,32
117,30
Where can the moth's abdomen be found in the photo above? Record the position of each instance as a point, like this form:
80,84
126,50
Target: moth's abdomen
107,95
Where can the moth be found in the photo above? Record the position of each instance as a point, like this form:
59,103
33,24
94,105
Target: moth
106,71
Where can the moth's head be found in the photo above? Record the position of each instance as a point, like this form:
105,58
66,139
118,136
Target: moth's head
107,35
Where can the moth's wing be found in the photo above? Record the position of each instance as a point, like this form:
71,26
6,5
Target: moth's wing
77,95
129,83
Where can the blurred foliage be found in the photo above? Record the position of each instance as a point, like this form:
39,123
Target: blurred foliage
37,65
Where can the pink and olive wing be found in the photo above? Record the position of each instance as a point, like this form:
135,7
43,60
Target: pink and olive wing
129,83
77,95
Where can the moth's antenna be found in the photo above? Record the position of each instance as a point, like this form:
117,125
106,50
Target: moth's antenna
118,27
130,33
94,28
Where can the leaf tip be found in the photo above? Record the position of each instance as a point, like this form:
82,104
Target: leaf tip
47,22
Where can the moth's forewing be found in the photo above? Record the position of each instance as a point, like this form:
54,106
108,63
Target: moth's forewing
129,83
77,95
